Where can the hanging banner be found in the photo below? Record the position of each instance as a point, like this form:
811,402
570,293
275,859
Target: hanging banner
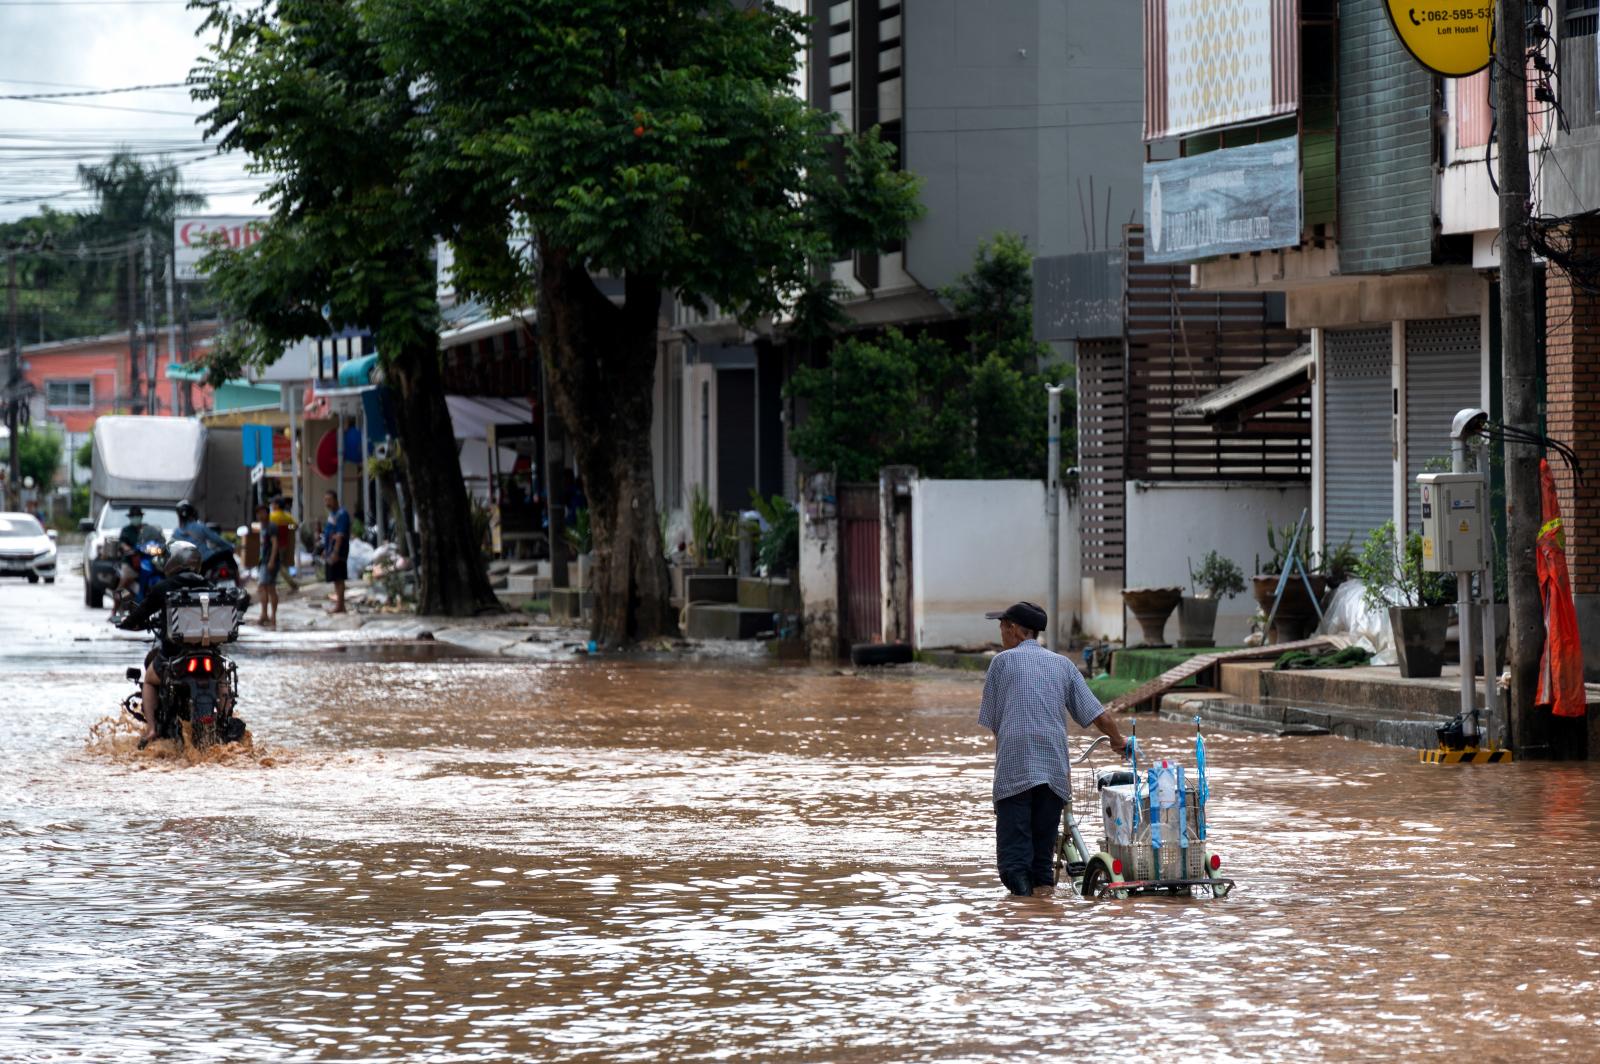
1214,63
193,238
1223,202
1450,38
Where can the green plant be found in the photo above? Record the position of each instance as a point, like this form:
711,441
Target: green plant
1340,563
580,536
84,455
1393,574
724,544
779,550
702,525
1279,540
481,522
1217,577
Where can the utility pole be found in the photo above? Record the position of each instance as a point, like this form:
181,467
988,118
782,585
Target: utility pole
135,401
13,389
152,405
1052,509
1519,374
172,334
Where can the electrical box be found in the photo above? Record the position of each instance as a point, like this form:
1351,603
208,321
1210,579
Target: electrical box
1453,512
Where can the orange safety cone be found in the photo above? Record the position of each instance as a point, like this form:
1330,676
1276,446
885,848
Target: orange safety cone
1561,667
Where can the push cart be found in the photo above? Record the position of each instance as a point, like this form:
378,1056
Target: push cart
1150,823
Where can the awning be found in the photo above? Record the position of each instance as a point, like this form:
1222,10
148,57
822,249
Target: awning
1258,391
471,415
357,373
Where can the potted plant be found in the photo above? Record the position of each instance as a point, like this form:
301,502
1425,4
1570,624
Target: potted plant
1151,606
1339,563
701,559
581,539
1297,610
1418,601
1216,579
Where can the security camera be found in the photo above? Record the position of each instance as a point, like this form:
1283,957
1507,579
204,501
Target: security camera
1468,423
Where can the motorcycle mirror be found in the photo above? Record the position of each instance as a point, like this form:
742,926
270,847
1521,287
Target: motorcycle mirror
134,674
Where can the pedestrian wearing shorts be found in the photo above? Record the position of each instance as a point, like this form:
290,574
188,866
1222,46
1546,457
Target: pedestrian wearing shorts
336,548
267,570
1028,694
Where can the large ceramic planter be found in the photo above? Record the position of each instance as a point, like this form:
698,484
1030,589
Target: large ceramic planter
1297,614
1419,638
1197,622
1151,606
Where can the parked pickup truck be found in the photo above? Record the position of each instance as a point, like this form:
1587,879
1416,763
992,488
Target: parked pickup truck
150,461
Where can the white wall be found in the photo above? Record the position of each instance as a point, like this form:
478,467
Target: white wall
1170,523
980,545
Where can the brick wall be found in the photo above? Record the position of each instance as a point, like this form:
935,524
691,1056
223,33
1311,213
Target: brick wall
1572,371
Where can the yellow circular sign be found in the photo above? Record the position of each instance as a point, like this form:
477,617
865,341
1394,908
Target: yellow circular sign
1449,37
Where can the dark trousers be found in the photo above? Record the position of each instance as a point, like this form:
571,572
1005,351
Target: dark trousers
1025,827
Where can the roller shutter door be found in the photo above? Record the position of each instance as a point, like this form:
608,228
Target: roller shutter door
1443,360
1358,470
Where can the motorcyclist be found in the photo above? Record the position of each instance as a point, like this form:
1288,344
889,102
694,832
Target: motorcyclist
182,572
191,528
134,535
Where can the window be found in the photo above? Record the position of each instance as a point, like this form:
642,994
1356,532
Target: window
69,393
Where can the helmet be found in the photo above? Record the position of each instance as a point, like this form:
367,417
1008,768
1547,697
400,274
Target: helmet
182,557
187,512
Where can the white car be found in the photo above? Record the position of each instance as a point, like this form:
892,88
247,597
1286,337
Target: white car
26,549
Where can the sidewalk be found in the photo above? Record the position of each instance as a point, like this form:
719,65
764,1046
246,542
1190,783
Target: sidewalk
510,634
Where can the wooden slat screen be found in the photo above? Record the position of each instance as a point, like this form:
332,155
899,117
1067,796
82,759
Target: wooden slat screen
1102,443
1182,344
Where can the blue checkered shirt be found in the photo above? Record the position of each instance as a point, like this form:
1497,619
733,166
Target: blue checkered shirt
1024,695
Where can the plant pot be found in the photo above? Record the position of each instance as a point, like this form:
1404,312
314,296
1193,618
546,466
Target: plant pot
1419,637
1197,622
679,572
1297,614
1151,606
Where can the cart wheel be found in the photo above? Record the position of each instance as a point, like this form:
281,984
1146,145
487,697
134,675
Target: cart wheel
1095,879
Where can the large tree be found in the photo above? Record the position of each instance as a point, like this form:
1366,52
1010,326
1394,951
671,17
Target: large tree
300,86
661,143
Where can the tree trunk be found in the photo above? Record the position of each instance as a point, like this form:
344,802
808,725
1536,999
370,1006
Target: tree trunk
601,362
451,579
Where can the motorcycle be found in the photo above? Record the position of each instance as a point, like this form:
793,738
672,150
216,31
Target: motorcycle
200,686
146,560
221,568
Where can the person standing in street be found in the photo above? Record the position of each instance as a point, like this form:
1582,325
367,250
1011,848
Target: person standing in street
1028,693
336,548
267,570
284,526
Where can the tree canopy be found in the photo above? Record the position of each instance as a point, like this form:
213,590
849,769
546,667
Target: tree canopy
975,410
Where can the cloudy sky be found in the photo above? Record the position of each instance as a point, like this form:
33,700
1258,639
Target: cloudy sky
51,46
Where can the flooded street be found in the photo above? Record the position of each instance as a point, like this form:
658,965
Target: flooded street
456,859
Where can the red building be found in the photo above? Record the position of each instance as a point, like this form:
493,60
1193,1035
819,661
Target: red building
78,380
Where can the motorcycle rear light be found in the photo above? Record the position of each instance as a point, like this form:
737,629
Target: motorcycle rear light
193,664
1116,867
208,669
1216,862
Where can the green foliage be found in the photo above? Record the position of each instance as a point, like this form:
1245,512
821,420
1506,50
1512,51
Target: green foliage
580,536
1340,563
978,411
72,269
39,455
779,550
1279,540
702,525
84,455
725,535
80,503
1217,577
1393,575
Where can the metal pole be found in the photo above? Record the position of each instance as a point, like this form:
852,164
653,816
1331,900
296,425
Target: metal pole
1519,371
152,404
1469,702
1494,724
172,337
1052,508
13,389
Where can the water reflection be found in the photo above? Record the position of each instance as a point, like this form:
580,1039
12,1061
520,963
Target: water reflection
469,860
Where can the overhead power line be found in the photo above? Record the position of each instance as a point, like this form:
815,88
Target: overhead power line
92,92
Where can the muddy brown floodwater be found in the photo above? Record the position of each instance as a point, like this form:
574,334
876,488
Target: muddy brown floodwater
465,860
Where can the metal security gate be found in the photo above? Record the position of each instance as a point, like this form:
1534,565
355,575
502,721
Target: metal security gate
860,550
1358,460
1444,359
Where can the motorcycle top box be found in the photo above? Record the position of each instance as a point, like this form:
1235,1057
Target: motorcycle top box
204,618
